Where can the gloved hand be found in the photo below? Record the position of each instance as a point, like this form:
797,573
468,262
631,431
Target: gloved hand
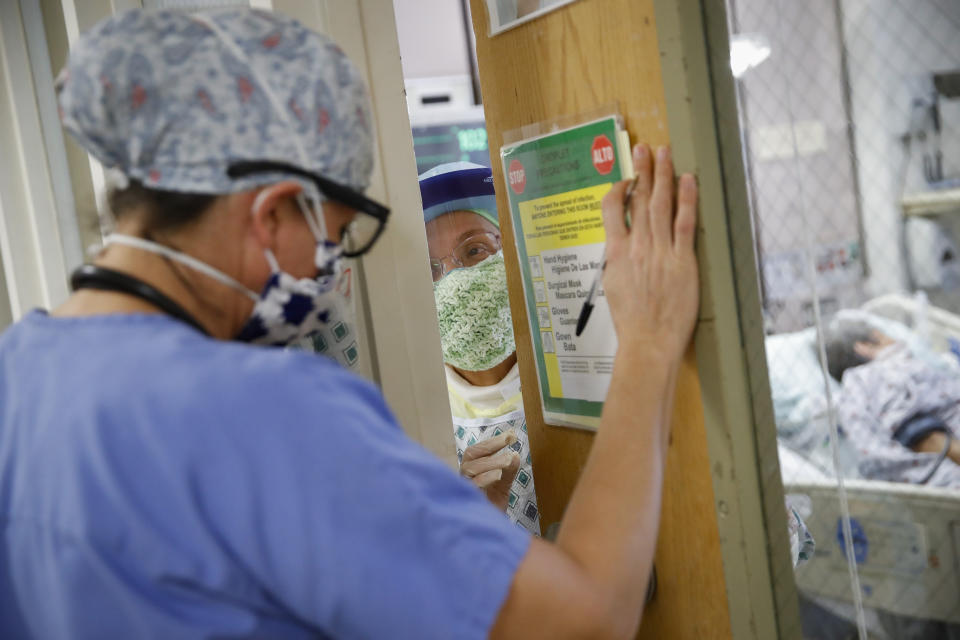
492,467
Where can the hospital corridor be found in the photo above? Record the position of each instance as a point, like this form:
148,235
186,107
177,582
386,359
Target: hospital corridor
508,319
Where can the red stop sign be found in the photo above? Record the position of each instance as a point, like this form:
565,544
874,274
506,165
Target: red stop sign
602,155
516,176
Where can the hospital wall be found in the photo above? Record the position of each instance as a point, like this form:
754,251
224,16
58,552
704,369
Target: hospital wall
799,152
824,120
433,38
892,47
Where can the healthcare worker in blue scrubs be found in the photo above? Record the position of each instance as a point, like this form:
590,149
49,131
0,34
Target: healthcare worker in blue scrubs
165,474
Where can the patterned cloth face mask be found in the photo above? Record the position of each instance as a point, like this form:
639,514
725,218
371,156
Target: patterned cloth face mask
288,309
473,308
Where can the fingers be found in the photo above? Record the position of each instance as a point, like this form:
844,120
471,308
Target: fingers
488,447
613,220
640,199
513,468
503,477
661,200
487,478
500,461
685,225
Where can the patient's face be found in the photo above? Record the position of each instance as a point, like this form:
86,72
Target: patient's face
878,342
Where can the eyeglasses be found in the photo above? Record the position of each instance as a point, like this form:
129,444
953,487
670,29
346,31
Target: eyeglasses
359,234
468,253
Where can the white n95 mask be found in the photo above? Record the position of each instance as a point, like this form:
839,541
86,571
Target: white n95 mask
473,309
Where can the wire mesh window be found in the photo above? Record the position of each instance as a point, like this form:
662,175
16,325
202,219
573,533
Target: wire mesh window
849,112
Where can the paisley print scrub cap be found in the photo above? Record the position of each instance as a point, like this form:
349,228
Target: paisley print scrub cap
173,99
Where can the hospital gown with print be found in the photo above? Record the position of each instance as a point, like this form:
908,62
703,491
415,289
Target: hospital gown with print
155,483
876,399
480,413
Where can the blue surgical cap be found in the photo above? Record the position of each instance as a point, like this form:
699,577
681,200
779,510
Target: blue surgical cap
458,186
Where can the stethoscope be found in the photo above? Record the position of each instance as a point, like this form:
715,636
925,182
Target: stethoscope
91,276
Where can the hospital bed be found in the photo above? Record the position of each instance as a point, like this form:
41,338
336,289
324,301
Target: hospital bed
906,538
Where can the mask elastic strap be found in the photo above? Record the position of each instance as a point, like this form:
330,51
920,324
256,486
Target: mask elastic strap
315,223
182,258
272,261
327,252
314,217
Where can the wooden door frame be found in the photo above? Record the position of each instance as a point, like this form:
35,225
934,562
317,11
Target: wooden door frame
701,101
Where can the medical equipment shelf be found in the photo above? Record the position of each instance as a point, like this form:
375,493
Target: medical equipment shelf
931,203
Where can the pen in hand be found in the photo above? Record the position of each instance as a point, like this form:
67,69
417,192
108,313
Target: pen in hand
587,307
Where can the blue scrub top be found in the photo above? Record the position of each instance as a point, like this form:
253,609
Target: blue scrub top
157,483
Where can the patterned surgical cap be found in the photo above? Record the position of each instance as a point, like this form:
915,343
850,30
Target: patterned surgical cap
458,186
173,99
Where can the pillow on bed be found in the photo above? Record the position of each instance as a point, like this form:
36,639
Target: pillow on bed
796,379
797,386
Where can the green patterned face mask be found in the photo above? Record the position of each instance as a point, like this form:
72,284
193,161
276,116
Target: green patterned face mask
474,313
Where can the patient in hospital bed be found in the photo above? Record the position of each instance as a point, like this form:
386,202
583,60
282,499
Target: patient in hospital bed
901,414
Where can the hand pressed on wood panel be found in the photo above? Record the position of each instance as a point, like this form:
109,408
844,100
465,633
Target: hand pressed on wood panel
492,467
651,279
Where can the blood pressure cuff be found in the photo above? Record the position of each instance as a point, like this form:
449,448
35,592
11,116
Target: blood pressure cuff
917,427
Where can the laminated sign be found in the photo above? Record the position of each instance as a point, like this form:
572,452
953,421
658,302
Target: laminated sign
555,186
